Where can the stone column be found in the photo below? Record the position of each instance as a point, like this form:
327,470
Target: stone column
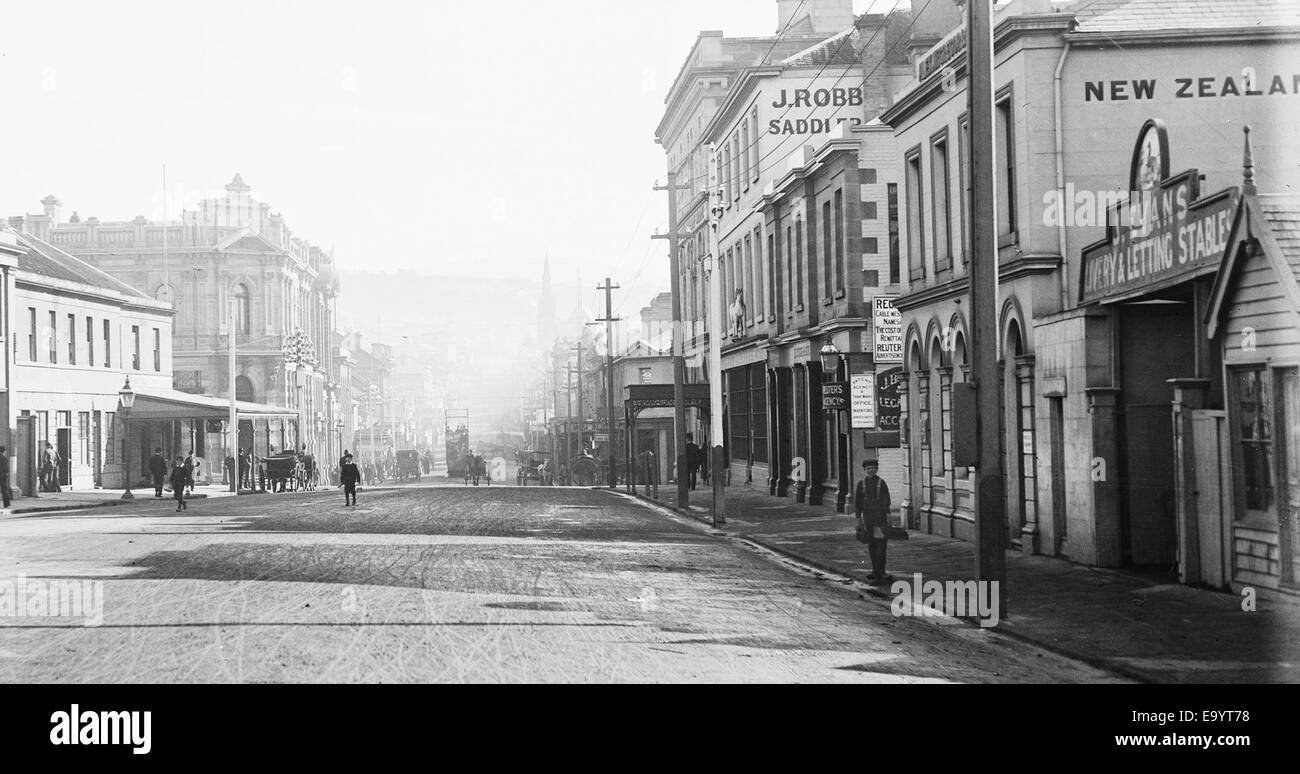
923,431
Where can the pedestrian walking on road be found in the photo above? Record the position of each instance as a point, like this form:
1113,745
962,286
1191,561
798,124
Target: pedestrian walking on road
158,471
871,509
180,478
349,476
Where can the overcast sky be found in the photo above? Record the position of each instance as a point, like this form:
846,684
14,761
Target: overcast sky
459,137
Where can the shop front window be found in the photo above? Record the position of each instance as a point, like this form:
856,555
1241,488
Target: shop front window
1254,429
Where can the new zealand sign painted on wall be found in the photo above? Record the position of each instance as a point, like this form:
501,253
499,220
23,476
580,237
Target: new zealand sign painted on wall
1161,234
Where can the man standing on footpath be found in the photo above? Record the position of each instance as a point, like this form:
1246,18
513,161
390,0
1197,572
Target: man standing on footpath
4,477
158,471
871,508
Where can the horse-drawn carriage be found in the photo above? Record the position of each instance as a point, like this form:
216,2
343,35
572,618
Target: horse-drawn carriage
534,465
289,472
408,465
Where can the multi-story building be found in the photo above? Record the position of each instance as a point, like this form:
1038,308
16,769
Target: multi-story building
1117,176
229,252
803,241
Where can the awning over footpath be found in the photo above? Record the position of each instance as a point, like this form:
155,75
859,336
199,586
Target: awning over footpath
174,404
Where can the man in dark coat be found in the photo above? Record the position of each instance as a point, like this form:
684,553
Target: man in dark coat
4,477
349,476
180,478
871,507
158,471
693,455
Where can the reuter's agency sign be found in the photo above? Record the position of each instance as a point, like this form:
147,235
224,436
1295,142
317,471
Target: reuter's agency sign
1161,234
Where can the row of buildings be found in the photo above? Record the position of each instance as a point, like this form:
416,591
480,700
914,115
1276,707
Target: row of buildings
1146,156
97,308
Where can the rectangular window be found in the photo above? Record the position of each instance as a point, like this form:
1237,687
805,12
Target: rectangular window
735,160
83,436
72,339
798,263
90,341
135,352
108,344
31,334
753,120
157,349
53,343
758,411
770,272
939,203
1005,169
726,172
760,277
738,403
744,154
789,269
110,437
915,217
747,278
839,240
827,272
892,205
963,214
1255,434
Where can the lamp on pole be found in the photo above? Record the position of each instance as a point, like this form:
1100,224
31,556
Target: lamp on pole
833,371
126,399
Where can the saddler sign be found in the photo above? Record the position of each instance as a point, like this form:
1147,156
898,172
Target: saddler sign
1162,234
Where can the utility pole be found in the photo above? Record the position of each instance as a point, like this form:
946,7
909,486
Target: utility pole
679,345
990,529
609,319
234,415
568,411
717,456
582,416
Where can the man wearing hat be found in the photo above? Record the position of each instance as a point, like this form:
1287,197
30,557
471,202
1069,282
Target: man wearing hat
349,477
871,507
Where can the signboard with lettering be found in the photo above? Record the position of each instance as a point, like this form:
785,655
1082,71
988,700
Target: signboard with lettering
1162,233
835,396
887,329
862,394
800,353
889,384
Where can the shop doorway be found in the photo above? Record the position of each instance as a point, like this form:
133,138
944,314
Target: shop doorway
1156,342
64,445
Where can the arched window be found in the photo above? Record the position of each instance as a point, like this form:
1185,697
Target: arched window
243,318
244,389
165,294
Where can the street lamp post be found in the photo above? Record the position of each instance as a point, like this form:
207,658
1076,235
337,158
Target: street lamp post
832,365
126,397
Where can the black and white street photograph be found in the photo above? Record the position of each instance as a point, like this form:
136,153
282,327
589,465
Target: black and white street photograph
777,342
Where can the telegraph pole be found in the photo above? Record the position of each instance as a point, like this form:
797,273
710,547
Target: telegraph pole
233,419
717,457
609,319
990,529
582,417
568,411
678,344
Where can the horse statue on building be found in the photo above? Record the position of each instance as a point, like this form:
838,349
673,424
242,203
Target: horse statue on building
736,313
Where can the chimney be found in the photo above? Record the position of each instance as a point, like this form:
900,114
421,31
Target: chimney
52,206
814,17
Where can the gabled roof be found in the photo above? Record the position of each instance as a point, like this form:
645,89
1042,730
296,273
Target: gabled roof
247,240
1150,15
1274,220
44,259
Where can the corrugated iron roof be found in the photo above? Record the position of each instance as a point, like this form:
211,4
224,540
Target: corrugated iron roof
1105,16
43,258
